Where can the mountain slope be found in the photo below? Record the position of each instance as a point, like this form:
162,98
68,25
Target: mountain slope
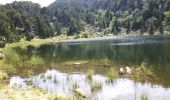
109,16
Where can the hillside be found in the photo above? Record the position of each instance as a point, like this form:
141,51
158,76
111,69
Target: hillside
110,16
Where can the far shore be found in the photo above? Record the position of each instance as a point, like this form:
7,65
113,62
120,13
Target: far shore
118,37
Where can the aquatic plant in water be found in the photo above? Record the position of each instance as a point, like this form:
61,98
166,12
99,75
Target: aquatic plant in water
95,86
143,72
90,73
74,85
112,74
144,97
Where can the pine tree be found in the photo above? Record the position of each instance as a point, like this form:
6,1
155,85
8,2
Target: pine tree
151,28
161,30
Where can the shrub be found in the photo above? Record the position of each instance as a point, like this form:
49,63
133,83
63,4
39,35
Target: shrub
83,35
35,60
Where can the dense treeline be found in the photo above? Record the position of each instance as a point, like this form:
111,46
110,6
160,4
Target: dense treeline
71,17
23,20
110,16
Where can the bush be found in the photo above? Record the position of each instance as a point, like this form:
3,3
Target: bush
11,57
2,41
35,60
83,35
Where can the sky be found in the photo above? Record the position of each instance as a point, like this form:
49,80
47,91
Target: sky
41,2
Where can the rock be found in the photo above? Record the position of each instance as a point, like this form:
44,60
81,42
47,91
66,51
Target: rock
1,55
77,63
121,71
82,92
128,70
3,75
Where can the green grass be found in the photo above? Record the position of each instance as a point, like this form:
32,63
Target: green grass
29,94
14,60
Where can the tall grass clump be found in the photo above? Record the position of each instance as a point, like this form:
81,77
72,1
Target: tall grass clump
11,57
75,86
143,72
112,74
144,97
95,86
90,73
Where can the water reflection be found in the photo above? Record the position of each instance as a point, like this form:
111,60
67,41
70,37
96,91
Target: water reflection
119,89
116,51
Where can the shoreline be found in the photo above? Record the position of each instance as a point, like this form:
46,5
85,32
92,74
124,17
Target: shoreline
127,37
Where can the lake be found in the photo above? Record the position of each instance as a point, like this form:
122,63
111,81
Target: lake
68,61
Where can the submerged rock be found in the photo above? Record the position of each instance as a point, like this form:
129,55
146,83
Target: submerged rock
82,92
128,70
121,71
1,55
3,75
77,63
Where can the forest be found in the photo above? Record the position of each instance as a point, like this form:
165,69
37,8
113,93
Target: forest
24,19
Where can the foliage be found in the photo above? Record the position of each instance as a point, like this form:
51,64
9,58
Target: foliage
19,19
83,35
143,73
24,19
35,60
111,15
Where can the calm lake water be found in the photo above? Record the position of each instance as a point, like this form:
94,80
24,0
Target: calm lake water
73,58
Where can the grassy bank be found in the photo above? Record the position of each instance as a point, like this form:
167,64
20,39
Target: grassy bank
7,93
